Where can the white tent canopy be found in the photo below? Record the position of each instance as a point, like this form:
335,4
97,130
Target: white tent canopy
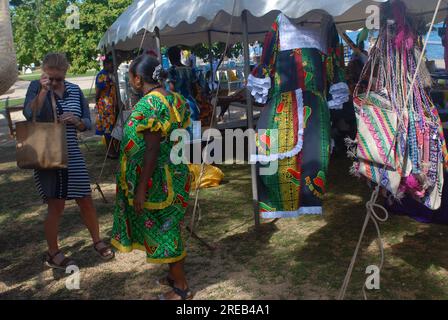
190,22
135,42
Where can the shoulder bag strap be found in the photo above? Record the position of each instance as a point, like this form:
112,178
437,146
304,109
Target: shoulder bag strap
53,105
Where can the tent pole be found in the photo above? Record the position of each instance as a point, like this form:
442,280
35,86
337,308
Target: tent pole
352,45
210,55
250,120
117,81
159,48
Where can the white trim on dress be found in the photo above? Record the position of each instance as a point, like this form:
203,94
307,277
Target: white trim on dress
298,147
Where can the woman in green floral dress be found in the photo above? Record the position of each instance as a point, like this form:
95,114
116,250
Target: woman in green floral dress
152,193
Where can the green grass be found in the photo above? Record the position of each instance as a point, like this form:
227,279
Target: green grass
90,94
36,75
30,77
11,103
303,258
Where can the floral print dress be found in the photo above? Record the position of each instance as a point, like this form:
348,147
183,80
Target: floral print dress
105,106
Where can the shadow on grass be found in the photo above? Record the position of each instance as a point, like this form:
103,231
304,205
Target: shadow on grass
108,285
141,285
430,244
325,258
23,252
21,292
309,254
8,155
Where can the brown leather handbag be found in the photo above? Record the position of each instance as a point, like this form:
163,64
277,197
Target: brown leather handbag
42,145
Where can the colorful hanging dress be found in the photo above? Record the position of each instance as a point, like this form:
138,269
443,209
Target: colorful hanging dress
157,230
300,67
105,106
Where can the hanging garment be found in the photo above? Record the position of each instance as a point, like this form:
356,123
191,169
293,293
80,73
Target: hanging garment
105,106
400,144
417,211
300,68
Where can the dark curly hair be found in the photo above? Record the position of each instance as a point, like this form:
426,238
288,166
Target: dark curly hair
144,66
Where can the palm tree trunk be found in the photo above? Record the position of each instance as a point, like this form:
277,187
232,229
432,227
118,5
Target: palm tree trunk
8,62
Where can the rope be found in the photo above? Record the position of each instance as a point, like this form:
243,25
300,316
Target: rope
371,215
431,27
212,123
104,162
143,40
372,204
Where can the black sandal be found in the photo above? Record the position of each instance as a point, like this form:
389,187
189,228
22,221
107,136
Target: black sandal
58,261
183,294
104,251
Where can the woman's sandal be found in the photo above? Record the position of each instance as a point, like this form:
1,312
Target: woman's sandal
104,251
166,281
58,261
183,294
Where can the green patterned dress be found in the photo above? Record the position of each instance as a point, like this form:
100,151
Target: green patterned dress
300,78
157,230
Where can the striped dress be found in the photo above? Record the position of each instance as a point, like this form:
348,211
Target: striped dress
73,182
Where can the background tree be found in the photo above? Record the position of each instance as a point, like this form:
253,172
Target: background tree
8,63
202,50
39,27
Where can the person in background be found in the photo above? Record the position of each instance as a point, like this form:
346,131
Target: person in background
152,53
182,79
152,192
203,98
191,62
106,106
212,84
444,37
344,121
57,186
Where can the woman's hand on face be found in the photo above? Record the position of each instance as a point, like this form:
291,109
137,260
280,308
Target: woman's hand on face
45,82
139,200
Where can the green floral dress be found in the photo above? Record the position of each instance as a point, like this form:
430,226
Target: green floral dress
157,230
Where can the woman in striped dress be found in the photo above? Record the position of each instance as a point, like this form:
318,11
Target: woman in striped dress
73,183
